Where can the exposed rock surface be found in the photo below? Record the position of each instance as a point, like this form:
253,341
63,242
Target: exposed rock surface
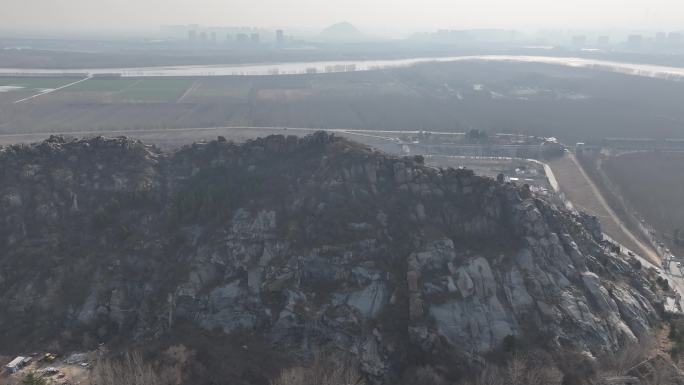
313,241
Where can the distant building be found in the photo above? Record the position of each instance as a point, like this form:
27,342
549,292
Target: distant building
16,364
675,38
213,37
632,143
192,35
603,40
660,37
242,38
582,148
254,38
203,36
280,37
229,37
443,34
634,41
579,40
110,75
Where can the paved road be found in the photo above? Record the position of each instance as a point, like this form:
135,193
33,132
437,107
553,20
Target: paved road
673,274
53,90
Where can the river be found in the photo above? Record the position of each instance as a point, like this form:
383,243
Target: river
647,70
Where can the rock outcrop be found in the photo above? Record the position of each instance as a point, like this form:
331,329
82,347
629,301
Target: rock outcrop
309,242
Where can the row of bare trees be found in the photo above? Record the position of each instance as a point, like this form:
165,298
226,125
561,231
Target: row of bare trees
519,370
528,368
131,369
322,371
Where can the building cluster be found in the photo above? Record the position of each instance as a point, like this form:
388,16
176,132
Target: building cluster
630,144
215,36
634,41
468,36
480,144
47,366
596,40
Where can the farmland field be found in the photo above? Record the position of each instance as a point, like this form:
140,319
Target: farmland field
102,85
156,90
36,82
207,90
578,190
572,104
17,88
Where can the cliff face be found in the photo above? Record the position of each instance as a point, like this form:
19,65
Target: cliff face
307,242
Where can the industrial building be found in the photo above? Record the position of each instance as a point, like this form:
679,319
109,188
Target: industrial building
16,364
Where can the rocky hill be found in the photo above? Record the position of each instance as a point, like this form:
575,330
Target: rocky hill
308,243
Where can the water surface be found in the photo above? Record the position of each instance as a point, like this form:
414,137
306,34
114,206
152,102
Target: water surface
276,69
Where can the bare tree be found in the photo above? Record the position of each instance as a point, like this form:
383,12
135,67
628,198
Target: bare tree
516,371
321,372
620,362
129,370
661,377
519,370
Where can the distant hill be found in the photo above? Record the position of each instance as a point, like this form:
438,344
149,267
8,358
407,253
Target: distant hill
342,32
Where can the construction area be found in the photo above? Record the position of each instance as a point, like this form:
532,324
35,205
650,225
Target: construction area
56,370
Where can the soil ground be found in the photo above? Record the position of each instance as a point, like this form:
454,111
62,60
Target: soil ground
653,184
585,195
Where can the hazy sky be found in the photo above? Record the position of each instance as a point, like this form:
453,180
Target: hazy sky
396,15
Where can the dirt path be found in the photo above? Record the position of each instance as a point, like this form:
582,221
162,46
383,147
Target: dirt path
135,83
194,87
619,225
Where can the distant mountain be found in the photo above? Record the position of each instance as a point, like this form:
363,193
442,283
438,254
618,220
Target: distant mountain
342,32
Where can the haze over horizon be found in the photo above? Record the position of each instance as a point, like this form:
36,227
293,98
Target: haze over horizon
376,15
